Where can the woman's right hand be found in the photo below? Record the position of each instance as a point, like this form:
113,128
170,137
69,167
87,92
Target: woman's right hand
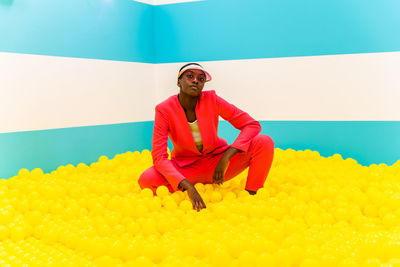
196,199
194,196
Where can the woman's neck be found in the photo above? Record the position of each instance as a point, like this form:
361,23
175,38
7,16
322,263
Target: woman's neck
187,102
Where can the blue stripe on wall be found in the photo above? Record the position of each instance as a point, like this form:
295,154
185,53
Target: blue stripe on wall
368,142
97,29
198,31
48,149
241,29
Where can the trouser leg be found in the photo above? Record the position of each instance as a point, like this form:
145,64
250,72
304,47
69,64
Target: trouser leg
152,179
262,154
258,159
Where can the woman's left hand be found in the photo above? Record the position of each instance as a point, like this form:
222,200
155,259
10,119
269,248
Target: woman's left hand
219,172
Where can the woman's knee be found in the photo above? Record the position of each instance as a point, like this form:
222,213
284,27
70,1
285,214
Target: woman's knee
145,178
264,140
152,179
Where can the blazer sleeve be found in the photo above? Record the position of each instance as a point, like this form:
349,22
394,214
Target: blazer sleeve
159,151
242,121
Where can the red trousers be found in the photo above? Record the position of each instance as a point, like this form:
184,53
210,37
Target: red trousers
258,159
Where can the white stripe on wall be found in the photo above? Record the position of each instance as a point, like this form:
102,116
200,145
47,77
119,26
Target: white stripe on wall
165,2
335,87
45,92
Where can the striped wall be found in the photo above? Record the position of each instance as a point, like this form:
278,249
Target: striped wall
318,75
76,80
321,75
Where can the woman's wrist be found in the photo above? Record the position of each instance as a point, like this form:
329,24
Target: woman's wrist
224,159
229,153
185,184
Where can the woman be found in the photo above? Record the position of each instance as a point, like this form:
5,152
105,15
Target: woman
190,120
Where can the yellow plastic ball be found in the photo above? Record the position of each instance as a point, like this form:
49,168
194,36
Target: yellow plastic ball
178,196
170,205
186,205
229,196
37,172
103,158
3,232
310,263
6,216
263,193
23,172
200,187
390,220
144,261
371,210
149,226
146,193
162,191
215,196
243,194
17,233
220,256
266,259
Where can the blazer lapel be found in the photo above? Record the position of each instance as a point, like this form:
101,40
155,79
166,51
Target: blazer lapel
200,116
188,132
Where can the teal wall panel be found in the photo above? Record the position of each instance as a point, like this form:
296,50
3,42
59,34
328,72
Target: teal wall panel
240,29
198,31
98,29
48,149
366,141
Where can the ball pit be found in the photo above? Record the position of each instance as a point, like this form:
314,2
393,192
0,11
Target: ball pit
313,211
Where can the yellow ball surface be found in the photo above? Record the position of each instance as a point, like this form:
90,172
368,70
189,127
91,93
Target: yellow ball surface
311,211
146,193
186,205
215,196
162,191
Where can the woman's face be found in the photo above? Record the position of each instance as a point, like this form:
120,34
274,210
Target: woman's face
192,82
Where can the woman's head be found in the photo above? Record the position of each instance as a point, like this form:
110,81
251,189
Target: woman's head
191,79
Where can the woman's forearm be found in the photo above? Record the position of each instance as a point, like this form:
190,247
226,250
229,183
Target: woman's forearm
185,184
229,153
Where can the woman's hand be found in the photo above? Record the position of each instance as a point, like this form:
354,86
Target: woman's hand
196,199
219,172
194,196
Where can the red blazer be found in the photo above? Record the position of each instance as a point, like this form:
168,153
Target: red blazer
170,121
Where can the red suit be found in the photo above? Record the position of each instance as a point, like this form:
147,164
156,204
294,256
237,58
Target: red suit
187,162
